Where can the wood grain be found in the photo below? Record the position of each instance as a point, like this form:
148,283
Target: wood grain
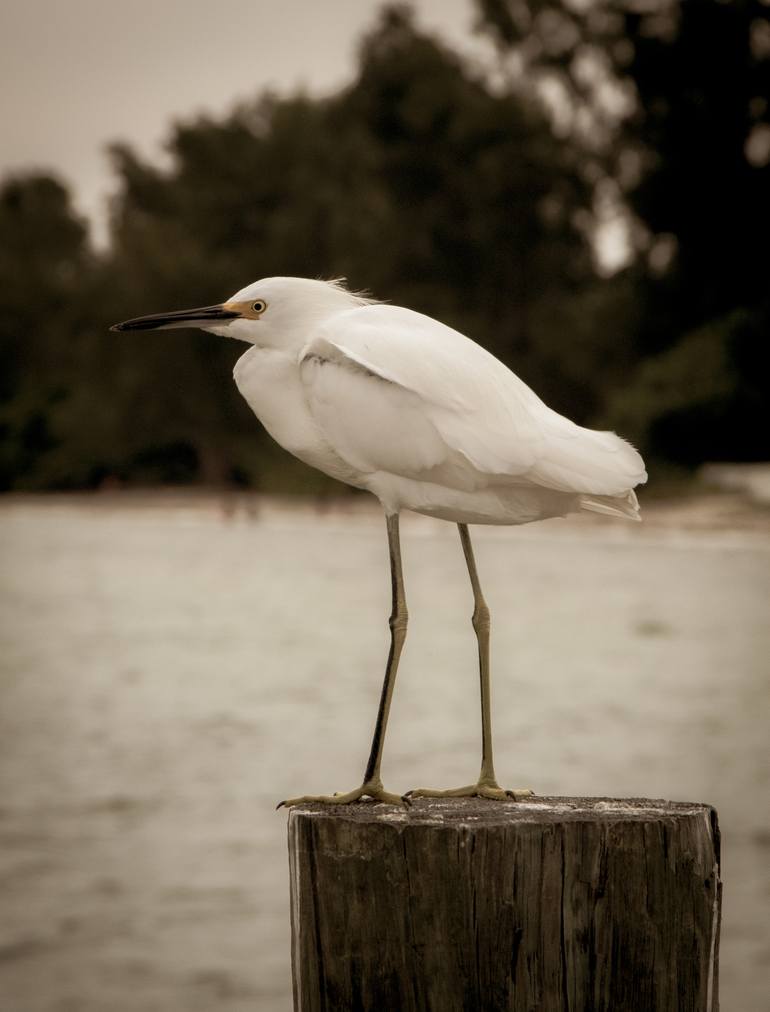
550,904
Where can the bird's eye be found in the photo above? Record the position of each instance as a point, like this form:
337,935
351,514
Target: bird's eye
259,306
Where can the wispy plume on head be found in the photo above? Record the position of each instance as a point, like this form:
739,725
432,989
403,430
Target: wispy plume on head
341,285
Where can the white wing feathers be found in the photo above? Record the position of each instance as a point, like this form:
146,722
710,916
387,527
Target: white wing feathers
396,391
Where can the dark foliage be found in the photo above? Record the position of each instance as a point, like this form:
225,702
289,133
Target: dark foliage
431,187
692,161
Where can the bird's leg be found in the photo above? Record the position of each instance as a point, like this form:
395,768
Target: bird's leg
372,785
487,786
398,622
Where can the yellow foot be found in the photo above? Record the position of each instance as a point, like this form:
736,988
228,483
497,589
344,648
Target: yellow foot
372,790
486,789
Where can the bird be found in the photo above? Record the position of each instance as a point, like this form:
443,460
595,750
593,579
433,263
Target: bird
392,401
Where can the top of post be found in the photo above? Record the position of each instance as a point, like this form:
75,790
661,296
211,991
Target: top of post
478,812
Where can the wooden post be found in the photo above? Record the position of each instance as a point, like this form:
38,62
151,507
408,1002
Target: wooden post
551,904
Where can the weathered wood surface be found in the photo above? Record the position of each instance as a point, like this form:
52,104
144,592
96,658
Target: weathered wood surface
586,905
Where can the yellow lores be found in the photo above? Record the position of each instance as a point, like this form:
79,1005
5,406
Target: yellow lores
395,402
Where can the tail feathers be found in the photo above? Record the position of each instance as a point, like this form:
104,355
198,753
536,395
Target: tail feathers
613,505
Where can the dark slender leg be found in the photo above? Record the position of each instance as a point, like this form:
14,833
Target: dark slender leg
398,622
372,785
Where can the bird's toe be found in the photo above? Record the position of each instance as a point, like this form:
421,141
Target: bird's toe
366,792
491,791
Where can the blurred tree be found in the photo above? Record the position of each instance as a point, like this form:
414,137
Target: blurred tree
44,260
675,96
433,185
480,207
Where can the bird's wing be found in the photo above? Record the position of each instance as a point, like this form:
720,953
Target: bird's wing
396,391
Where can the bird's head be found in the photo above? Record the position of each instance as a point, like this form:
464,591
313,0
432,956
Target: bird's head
273,312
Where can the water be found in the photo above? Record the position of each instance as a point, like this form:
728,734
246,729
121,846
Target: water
171,667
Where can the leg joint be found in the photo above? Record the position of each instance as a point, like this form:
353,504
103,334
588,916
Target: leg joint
480,618
398,620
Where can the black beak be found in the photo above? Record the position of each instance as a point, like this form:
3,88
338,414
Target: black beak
180,318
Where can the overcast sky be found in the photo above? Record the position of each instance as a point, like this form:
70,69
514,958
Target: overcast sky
76,74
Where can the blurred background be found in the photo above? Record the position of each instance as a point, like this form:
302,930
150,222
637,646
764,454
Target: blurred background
582,187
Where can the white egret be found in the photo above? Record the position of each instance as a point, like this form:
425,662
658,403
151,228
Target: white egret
392,401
